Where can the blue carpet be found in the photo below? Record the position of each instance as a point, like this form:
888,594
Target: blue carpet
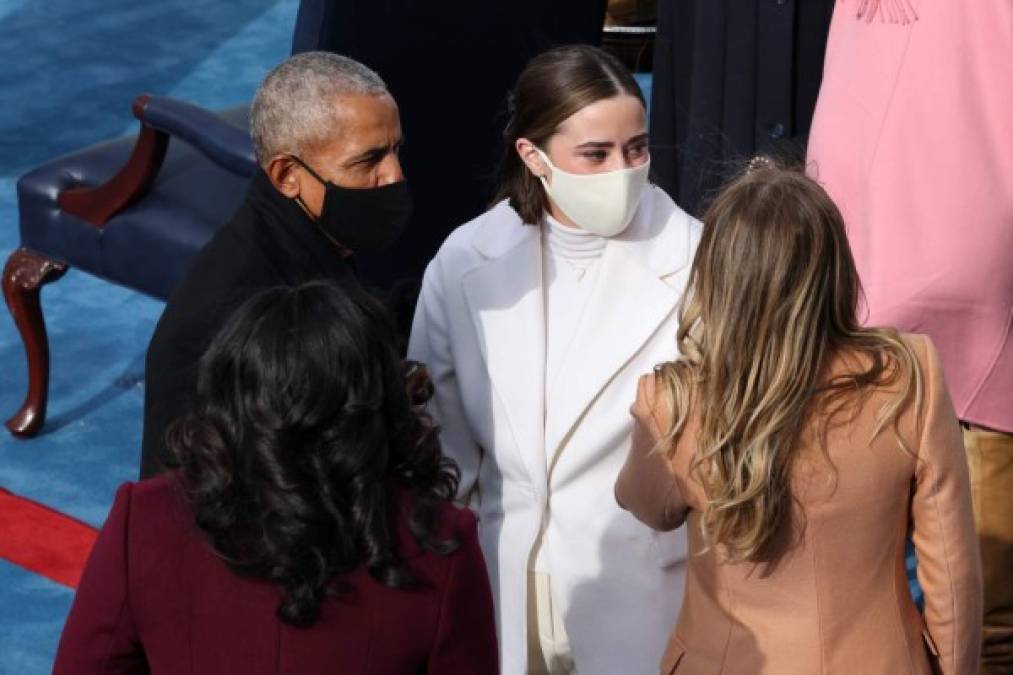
71,70
33,609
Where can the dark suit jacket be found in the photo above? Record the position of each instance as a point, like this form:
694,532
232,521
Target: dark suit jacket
732,78
154,598
269,242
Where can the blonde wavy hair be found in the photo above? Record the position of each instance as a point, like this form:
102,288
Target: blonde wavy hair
773,296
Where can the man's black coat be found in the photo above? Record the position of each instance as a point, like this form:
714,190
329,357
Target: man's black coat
269,242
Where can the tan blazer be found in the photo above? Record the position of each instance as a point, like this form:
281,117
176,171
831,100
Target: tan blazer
837,601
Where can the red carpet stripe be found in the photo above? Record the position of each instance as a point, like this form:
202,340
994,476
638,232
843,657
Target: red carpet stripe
43,541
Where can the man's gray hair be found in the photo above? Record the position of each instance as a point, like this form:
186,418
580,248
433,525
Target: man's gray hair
294,106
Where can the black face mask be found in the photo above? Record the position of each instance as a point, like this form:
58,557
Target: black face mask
363,219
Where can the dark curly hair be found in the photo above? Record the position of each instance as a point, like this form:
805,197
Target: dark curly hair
299,432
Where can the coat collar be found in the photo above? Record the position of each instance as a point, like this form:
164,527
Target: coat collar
659,235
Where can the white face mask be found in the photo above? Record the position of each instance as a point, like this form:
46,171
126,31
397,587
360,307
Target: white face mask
600,203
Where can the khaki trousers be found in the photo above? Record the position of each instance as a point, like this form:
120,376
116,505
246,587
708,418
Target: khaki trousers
990,458
548,646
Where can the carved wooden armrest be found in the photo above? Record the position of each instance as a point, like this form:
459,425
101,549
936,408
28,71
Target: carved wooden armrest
161,118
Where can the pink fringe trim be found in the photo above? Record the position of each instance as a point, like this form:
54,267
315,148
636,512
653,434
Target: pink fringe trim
888,11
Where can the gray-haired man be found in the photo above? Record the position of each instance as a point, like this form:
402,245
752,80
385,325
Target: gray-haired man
327,135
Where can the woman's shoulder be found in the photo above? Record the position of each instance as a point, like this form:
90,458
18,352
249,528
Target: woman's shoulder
149,518
158,503
661,232
458,522
930,365
150,495
491,229
920,346
455,522
664,213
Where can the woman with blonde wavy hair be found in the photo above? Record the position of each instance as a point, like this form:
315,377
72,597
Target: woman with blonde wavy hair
800,448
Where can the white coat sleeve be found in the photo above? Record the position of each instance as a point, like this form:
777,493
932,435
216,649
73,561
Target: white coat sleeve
431,343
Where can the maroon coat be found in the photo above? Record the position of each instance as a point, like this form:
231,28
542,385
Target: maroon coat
154,598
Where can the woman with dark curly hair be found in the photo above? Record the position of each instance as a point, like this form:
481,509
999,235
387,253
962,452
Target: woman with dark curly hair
306,527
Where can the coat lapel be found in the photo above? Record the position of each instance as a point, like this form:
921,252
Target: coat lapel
630,301
504,296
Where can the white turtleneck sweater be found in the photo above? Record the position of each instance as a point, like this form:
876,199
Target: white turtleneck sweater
570,258
570,261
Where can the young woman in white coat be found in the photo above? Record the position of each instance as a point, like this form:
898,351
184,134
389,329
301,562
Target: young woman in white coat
535,321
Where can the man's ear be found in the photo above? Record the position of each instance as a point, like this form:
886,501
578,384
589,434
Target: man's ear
281,171
528,153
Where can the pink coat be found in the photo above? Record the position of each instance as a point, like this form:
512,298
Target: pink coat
913,138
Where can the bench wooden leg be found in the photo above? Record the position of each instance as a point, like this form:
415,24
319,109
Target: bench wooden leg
25,273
